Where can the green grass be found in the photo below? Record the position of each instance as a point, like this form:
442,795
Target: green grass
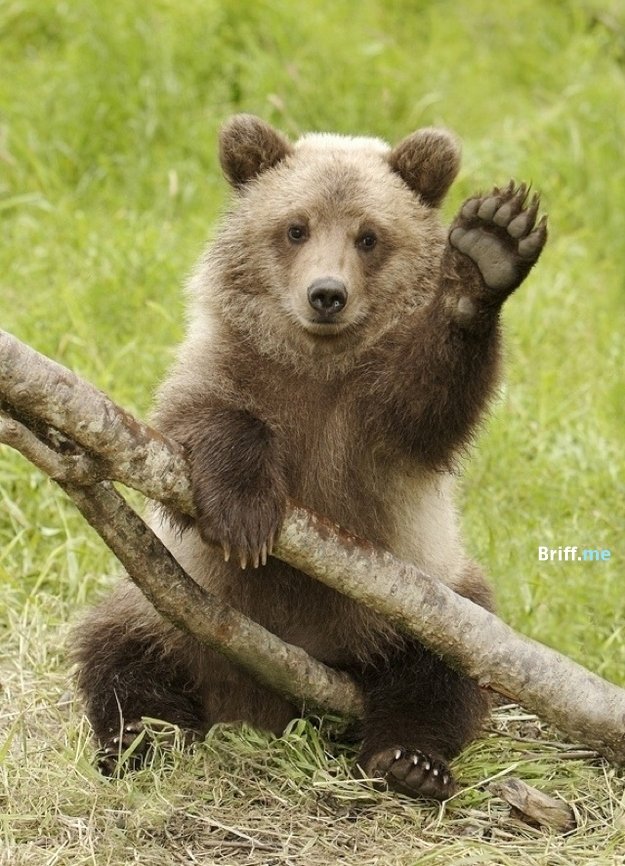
109,185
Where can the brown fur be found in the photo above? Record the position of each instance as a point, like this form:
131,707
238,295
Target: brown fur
248,147
428,161
360,420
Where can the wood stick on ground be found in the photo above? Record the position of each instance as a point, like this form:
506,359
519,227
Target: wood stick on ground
534,807
581,704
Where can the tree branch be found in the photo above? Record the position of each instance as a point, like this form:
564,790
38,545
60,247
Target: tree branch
287,669
581,704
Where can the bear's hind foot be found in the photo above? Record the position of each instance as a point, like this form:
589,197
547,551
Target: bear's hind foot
127,750
412,772
131,747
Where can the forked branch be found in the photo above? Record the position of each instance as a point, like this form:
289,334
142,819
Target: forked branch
45,405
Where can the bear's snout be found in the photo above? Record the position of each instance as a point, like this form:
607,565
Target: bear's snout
327,296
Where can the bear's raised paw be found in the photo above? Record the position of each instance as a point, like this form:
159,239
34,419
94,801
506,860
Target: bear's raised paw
412,772
499,233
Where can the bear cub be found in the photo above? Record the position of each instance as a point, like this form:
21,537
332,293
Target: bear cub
341,348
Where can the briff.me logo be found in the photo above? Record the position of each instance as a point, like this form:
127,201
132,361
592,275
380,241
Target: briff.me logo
573,554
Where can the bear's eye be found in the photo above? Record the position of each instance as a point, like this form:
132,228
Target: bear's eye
297,233
366,241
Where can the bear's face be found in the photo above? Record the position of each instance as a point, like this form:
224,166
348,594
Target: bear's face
333,239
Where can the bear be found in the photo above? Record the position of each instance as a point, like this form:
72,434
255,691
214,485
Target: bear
342,346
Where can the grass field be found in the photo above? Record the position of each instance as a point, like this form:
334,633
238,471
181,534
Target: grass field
109,186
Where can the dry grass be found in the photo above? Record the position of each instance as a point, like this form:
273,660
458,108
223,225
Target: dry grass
245,798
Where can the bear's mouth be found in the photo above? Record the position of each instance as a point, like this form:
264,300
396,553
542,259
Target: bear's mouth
324,328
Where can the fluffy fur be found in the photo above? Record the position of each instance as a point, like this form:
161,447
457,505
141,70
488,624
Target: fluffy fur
357,412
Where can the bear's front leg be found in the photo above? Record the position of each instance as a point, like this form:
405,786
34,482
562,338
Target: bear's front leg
238,483
499,235
433,388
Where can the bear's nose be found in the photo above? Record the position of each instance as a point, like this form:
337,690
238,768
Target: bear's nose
327,296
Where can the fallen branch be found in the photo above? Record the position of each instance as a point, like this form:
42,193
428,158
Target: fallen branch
287,669
588,709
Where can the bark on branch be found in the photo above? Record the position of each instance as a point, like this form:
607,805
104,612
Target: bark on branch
45,405
287,669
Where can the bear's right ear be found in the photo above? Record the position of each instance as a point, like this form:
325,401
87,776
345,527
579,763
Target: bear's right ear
428,161
249,146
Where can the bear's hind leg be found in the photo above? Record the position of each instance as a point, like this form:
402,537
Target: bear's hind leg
129,670
419,713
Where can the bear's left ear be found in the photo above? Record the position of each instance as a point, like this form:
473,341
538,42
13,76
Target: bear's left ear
249,146
428,161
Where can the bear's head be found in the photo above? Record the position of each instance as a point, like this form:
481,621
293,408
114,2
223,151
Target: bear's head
331,240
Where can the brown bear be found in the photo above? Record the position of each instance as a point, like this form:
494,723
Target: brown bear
342,345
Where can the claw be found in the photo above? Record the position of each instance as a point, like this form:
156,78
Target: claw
263,554
256,561
227,552
521,193
533,209
243,560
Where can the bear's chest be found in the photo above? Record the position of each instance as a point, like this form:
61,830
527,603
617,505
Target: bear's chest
336,469
334,463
